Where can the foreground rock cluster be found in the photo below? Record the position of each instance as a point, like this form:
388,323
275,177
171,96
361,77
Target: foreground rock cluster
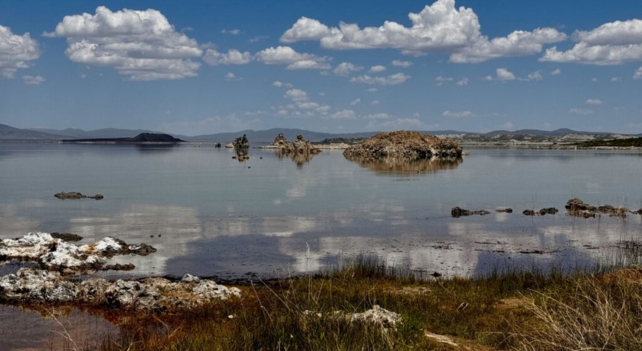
578,208
54,279
403,145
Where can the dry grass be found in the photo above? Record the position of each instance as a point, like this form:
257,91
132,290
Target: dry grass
503,311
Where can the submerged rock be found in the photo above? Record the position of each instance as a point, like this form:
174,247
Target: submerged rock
504,210
457,212
403,145
550,210
529,212
73,195
578,208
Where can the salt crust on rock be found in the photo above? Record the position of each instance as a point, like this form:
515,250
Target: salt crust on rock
36,286
54,254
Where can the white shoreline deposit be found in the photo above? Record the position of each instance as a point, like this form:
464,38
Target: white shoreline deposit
58,260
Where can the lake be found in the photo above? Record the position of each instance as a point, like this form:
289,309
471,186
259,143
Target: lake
211,215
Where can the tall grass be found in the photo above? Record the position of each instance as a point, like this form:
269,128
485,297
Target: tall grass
511,309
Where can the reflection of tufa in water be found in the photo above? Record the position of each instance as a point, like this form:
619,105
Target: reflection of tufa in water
401,166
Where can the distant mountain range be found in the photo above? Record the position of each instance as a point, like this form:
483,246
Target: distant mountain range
260,136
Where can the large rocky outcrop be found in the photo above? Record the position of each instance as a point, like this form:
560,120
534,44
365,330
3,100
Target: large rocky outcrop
403,145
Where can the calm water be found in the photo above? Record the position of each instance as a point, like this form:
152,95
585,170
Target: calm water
210,215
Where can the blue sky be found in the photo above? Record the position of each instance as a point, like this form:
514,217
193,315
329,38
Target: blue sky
200,67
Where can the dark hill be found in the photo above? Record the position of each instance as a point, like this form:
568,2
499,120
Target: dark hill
140,138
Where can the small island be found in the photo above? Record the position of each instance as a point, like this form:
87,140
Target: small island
139,139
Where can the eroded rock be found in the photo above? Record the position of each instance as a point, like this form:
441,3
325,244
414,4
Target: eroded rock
403,145
37,286
380,316
55,254
578,208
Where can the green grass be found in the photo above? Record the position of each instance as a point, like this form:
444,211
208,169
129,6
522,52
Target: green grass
509,310
636,142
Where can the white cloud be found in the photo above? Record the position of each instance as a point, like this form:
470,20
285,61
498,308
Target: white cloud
296,95
355,102
31,80
230,123
16,51
463,82
279,84
402,64
231,76
581,111
594,102
556,72
285,55
504,74
389,80
231,31
594,80
377,69
518,43
344,114
638,74
374,102
612,43
535,76
141,45
463,114
616,79
397,124
438,28
233,57
372,90
441,79
345,68
258,38
381,115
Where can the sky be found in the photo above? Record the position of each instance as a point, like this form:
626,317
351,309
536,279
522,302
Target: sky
200,67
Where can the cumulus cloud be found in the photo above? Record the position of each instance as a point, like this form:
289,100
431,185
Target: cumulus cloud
141,45
345,68
556,72
285,55
233,57
230,123
231,76
377,69
279,84
441,80
302,105
438,28
581,111
463,114
504,74
231,31
402,64
638,74
344,114
518,43
462,82
537,75
33,80
612,43
376,80
16,51
355,102
374,102
594,102
391,123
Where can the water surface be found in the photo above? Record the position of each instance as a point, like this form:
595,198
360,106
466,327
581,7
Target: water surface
211,215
